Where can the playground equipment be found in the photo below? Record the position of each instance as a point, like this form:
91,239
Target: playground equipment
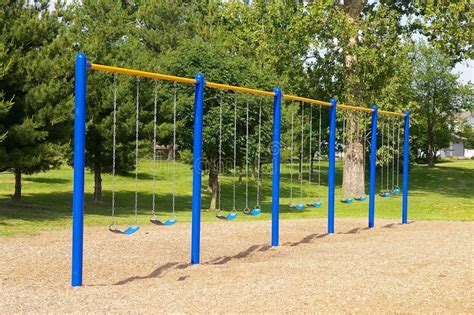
200,84
233,213
154,219
300,205
315,203
112,227
345,198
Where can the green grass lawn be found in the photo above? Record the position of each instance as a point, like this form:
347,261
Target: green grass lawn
445,192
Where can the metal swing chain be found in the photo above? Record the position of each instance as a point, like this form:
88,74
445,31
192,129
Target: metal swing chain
301,153
398,154
343,147
364,146
319,155
174,147
219,166
154,148
114,132
247,159
258,153
388,153
393,156
235,154
137,121
291,153
382,161
310,149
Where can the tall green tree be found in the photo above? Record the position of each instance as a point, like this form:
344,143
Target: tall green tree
105,32
34,40
438,96
219,65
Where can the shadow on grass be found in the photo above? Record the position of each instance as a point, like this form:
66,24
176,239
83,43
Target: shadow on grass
46,180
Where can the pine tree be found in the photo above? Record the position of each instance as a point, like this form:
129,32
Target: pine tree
33,38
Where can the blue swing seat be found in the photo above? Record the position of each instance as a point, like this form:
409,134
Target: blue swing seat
128,231
168,222
255,211
316,204
231,216
299,207
384,194
396,191
361,198
347,200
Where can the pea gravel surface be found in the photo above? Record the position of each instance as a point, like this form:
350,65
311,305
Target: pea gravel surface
422,267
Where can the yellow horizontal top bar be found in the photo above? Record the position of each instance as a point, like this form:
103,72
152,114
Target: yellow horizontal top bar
221,86
384,112
238,89
305,100
144,74
352,107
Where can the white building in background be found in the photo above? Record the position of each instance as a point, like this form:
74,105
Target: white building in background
457,148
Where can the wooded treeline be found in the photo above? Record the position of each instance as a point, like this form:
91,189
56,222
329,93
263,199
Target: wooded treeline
397,54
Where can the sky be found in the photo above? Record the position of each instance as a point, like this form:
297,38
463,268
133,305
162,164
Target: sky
466,71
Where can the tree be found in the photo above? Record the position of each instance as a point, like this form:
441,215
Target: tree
438,95
219,66
5,105
36,82
105,32
366,45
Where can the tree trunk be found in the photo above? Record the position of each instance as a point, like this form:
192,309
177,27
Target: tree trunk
213,184
430,138
97,198
353,184
17,194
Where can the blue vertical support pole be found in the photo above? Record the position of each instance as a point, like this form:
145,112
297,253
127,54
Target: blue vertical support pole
406,161
197,168
332,165
373,166
79,154
276,166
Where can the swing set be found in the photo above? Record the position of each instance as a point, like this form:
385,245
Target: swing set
389,143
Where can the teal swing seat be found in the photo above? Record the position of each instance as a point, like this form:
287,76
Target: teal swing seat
229,217
128,231
361,198
169,222
254,212
298,207
396,191
347,200
316,204
385,194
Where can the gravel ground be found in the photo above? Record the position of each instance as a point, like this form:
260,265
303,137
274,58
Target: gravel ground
420,267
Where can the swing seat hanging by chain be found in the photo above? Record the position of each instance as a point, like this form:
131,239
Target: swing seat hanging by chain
298,207
361,198
255,211
229,217
128,231
396,191
316,204
385,194
169,222
347,200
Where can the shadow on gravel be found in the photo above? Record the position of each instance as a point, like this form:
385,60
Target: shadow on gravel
222,260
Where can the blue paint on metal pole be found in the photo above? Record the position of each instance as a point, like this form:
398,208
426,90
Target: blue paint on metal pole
406,161
332,165
373,166
276,166
197,168
79,154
